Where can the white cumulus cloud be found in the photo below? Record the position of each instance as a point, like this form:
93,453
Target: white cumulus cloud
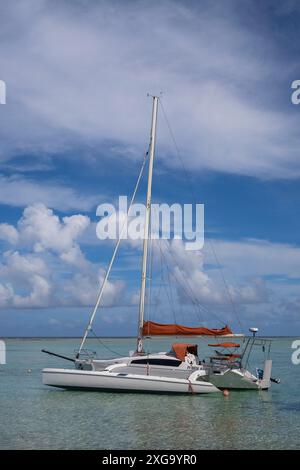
49,267
87,66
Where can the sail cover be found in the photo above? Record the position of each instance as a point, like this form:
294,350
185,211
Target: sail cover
151,328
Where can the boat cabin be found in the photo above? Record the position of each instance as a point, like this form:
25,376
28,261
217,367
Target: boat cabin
180,353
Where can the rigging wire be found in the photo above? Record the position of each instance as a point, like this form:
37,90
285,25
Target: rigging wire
105,345
194,197
157,295
170,295
101,290
150,280
227,289
192,294
174,277
167,286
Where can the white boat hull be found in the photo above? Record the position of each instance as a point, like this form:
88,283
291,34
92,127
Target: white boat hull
234,379
237,379
118,382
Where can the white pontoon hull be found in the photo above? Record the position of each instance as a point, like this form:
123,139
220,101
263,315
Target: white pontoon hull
239,379
234,379
118,382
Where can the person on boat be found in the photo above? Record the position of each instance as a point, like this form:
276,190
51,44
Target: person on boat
190,359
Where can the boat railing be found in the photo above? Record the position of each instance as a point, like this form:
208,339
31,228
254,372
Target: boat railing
217,362
253,342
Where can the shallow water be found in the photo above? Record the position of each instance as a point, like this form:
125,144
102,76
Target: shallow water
33,416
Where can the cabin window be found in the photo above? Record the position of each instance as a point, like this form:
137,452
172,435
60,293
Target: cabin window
157,362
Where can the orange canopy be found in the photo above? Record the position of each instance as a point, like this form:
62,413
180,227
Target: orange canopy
225,345
181,350
151,328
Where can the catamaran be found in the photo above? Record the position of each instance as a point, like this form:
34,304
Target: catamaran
177,371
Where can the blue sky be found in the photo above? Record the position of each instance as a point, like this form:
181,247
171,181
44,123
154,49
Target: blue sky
76,126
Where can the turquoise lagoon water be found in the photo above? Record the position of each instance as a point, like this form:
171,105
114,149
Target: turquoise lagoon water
33,416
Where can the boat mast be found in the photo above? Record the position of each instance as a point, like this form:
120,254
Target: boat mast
147,226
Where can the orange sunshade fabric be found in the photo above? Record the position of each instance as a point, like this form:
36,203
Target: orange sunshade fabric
225,345
181,349
151,328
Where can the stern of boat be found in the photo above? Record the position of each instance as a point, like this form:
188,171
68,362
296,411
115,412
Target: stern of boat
265,382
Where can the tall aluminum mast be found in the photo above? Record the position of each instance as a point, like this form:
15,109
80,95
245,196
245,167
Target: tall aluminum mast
147,226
